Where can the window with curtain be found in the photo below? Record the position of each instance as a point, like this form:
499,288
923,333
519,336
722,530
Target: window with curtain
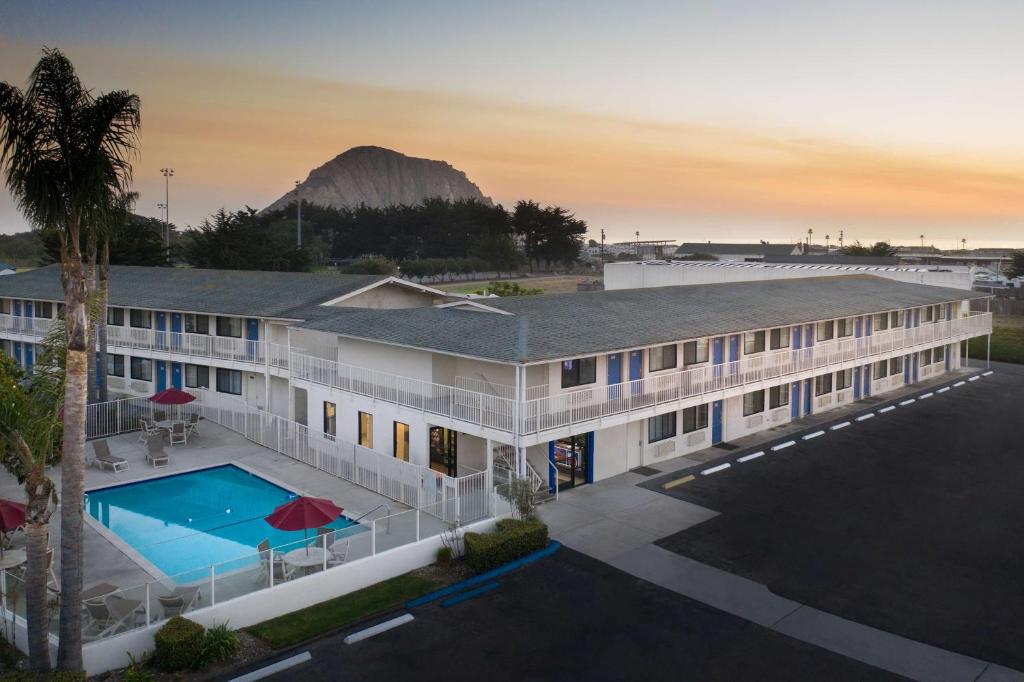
661,427
579,372
229,381
229,326
662,357
695,418
778,396
753,342
142,369
823,384
753,403
780,338
197,376
695,352
365,429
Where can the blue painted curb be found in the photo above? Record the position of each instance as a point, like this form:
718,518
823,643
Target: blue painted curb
470,594
552,547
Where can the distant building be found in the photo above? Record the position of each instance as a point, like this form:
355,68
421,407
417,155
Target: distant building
737,252
6,269
834,258
656,248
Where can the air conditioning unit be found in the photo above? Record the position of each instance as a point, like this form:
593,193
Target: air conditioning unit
696,438
665,448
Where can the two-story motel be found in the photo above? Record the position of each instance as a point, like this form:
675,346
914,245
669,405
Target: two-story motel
566,389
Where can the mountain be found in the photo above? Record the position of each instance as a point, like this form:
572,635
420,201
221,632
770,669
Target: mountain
379,177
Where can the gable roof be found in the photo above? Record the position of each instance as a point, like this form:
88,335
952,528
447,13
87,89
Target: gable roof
227,292
556,326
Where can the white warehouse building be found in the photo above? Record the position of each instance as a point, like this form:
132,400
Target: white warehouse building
566,389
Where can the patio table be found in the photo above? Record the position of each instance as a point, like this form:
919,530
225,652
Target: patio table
303,560
97,591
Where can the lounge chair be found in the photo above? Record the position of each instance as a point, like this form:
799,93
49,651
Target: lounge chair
178,433
103,459
155,454
109,615
179,601
149,429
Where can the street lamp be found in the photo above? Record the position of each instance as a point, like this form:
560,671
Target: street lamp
167,172
161,207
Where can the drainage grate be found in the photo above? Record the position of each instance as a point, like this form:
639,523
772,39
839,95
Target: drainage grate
645,471
727,446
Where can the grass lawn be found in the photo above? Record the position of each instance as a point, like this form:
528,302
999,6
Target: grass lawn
299,626
1007,341
555,284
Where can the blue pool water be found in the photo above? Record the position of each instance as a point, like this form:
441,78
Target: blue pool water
186,522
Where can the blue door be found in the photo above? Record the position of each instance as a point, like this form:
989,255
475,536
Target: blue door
947,349
17,308
176,330
906,368
636,368
161,327
915,355
807,396
716,422
867,325
858,327
28,308
17,352
917,317
252,335
794,400
161,375
867,380
176,375
797,333
717,358
856,384
28,357
908,319
614,376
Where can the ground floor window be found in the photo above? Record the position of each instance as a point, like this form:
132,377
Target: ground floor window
661,427
896,366
229,381
844,379
695,418
402,441
926,357
753,403
142,369
939,354
880,370
330,419
823,384
444,450
778,396
197,376
115,365
5,347
365,428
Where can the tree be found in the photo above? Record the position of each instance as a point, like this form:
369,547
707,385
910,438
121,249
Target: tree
242,240
876,249
30,440
1016,266
135,240
117,225
550,235
65,153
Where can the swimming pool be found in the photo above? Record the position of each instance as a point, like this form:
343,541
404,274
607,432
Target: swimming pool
189,521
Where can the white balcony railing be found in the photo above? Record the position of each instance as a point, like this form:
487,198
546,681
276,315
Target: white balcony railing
26,326
194,345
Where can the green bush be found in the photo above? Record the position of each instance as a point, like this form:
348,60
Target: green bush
61,676
179,645
219,644
136,673
511,540
444,555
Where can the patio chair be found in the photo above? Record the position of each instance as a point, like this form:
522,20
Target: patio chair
193,423
149,429
178,433
271,561
179,601
103,459
109,615
155,454
337,553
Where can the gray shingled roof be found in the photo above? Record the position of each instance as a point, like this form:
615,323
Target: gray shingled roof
564,325
735,249
229,292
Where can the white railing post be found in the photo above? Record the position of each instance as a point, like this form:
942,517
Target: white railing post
213,583
325,550
148,615
417,525
373,537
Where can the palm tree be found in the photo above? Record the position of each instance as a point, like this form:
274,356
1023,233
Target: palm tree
117,221
30,439
65,154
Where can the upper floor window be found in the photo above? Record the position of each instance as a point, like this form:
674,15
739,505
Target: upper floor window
779,338
578,372
5,306
880,322
695,418
753,403
823,384
198,324
897,319
928,314
844,327
778,396
115,317
662,357
229,326
753,342
43,309
141,319
826,330
695,352
844,379
661,427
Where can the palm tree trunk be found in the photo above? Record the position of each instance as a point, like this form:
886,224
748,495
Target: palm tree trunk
36,608
72,467
101,323
90,292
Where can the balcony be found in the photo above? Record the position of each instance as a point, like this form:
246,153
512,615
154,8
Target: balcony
187,345
25,326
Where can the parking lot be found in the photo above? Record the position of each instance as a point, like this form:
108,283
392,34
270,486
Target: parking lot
910,521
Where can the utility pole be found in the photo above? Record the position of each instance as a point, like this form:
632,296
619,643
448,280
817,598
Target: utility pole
809,233
161,207
168,173
826,243
638,243
298,224
963,243
922,241
602,247
840,240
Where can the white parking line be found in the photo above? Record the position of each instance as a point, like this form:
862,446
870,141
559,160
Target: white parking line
974,378
985,374
887,409
712,470
926,395
959,384
809,436
869,415
907,402
378,628
783,446
943,389
274,668
836,427
747,458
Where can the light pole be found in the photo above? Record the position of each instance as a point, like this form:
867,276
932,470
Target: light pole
826,243
922,241
810,232
840,240
168,172
638,244
298,224
602,247
161,207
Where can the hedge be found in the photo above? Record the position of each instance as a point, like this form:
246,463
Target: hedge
511,540
55,676
179,645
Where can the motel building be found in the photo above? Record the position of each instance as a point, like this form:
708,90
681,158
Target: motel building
563,389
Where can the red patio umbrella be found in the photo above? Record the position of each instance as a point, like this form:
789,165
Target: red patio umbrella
304,513
172,396
12,515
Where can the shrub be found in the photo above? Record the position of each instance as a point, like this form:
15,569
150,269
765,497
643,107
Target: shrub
136,673
512,539
219,644
521,496
55,676
444,555
179,645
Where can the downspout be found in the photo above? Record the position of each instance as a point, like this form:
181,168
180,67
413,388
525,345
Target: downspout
522,329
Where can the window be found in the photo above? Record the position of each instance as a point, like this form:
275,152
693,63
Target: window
779,338
753,403
928,314
197,376
844,379
896,366
695,418
402,441
5,348
880,322
695,352
826,330
926,357
880,370
661,427
823,384
140,319
197,324
753,342
43,309
115,365
778,396
897,319
662,357
939,354
330,419
229,381
365,429
229,326
115,317
5,306
142,369
578,372
940,312
845,327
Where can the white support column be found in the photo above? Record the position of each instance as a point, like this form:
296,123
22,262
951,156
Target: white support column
291,390
266,366
516,422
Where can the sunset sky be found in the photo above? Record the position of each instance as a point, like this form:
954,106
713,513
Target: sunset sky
694,121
